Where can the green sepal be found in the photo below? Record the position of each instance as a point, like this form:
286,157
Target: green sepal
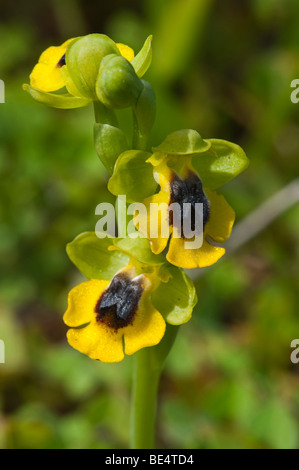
133,176
109,143
139,248
143,59
176,298
117,85
83,59
69,84
183,142
62,101
224,161
91,255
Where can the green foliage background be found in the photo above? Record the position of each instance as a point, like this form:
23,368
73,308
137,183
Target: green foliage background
224,69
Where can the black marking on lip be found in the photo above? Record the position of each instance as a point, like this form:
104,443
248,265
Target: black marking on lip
188,190
61,62
119,302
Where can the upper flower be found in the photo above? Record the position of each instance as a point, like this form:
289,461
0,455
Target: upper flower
47,75
181,187
187,169
77,65
125,305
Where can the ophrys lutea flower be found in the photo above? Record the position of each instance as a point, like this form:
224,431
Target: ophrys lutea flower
183,169
114,317
121,315
76,65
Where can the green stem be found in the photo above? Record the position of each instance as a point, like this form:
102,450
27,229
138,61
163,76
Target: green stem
148,365
104,115
145,387
139,140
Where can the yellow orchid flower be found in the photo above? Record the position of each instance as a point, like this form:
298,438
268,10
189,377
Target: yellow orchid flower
184,186
46,75
108,319
89,69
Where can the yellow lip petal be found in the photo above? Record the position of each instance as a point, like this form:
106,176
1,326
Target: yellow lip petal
198,258
82,301
222,217
98,342
126,51
147,330
45,78
46,75
155,225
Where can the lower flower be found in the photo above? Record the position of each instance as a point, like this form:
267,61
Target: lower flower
110,319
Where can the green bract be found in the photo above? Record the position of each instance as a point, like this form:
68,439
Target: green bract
96,258
110,142
117,84
84,57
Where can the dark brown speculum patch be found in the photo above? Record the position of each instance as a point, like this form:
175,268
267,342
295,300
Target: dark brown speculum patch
119,302
61,62
189,190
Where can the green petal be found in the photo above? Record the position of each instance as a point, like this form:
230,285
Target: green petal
220,164
175,299
110,142
133,176
143,59
139,248
183,142
91,256
63,101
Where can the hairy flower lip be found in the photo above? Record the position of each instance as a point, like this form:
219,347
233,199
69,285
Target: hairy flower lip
217,214
188,190
118,304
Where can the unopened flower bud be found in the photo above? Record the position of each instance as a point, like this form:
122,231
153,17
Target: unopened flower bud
118,85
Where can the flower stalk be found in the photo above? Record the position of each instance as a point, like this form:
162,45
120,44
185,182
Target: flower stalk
147,369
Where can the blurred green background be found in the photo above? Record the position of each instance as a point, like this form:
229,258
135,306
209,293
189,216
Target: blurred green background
223,68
